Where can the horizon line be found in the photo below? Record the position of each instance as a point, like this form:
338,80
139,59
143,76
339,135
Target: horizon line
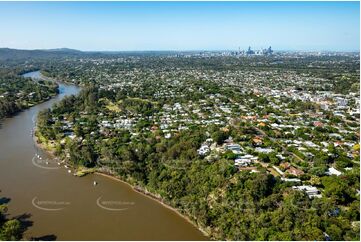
173,50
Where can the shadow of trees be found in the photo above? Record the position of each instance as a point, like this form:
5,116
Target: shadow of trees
50,237
14,228
4,200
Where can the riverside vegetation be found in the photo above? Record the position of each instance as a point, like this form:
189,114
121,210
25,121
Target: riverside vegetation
18,93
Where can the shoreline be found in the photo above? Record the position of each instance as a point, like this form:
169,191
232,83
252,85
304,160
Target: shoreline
139,190
155,198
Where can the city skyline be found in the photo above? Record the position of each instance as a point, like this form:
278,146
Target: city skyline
179,26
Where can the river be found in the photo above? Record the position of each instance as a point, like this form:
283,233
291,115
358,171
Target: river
64,207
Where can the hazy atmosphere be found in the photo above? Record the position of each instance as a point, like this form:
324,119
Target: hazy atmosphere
180,25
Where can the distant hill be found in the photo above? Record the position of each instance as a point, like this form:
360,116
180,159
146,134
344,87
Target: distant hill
15,54
64,50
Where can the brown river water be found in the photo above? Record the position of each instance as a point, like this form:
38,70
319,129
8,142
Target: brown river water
61,206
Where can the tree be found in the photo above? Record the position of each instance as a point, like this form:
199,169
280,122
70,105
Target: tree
338,188
219,136
10,230
334,232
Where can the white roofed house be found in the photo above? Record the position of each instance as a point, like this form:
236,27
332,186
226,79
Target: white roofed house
203,150
264,150
333,171
310,144
341,102
244,161
235,148
241,162
290,179
309,190
106,124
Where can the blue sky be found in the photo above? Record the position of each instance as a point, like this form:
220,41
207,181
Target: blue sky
180,25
